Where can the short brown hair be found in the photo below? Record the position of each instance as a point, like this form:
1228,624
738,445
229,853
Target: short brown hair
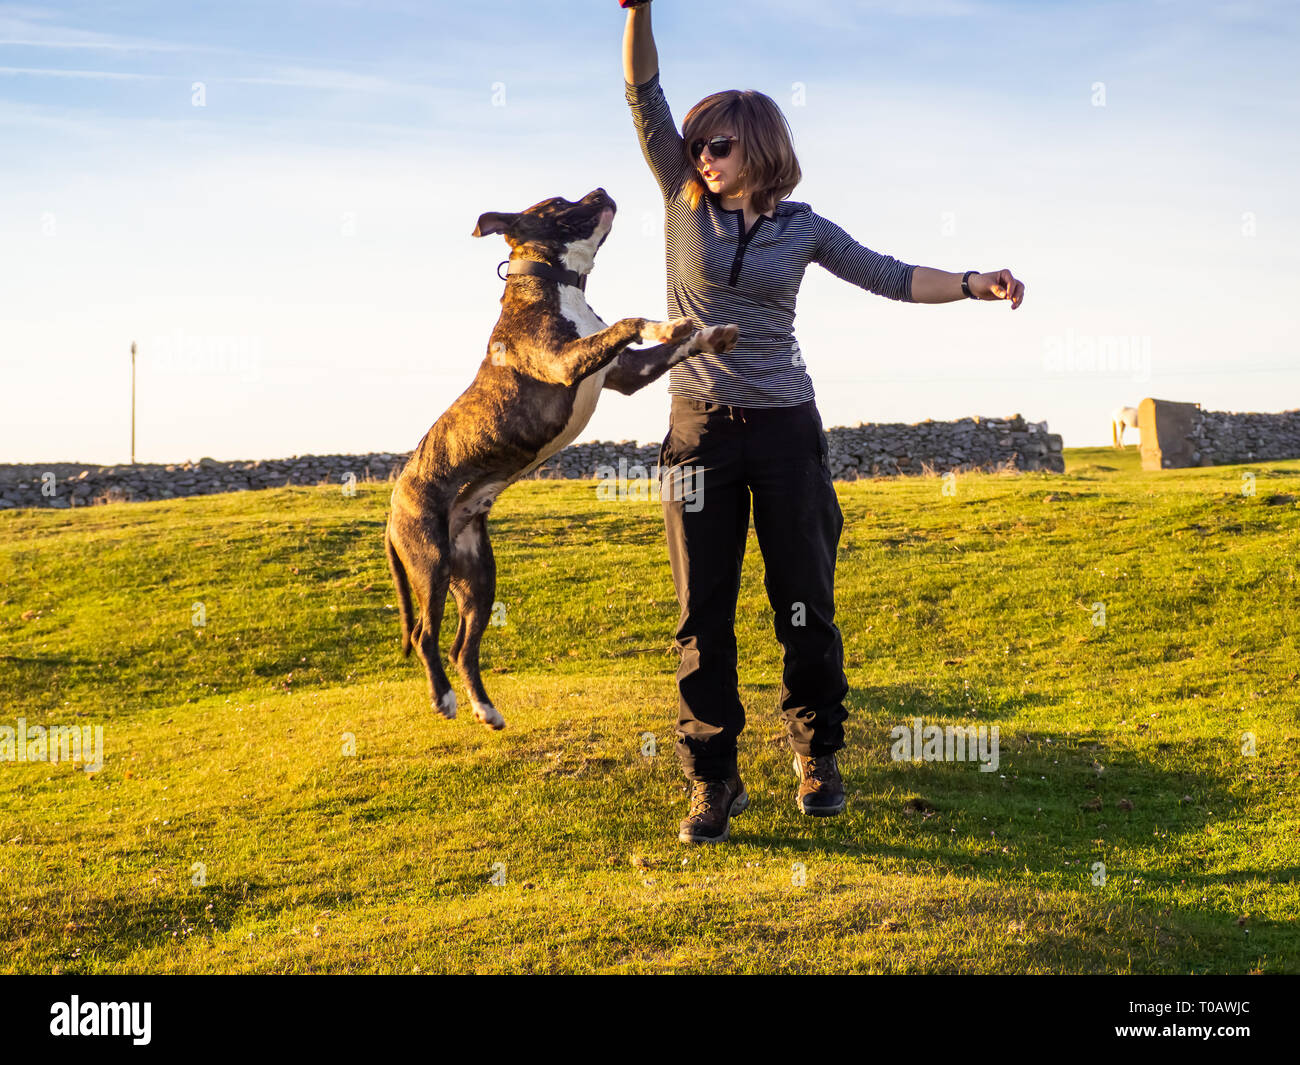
764,135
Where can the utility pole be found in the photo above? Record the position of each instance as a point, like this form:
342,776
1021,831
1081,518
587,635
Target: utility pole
133,403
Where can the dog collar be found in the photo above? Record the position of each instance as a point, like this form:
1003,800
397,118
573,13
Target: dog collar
532,266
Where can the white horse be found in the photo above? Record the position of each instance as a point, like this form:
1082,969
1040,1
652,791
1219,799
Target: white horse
1121,418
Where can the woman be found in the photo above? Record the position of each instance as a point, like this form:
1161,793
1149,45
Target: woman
746,425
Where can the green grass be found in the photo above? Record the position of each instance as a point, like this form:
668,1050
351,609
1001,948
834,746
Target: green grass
224,744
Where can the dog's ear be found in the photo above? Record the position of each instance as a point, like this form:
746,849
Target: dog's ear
494,222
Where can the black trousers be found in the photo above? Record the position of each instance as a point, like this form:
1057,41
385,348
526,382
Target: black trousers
713,460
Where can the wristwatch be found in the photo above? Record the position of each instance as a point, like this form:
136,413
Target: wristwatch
965,286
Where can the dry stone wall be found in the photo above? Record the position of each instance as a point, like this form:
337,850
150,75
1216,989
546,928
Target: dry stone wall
865,451
968,444
62,484
1223,438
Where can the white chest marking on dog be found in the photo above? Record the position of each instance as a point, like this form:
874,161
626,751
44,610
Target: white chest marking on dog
574,307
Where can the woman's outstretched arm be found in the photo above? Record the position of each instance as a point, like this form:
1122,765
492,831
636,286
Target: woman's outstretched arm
886,276
939,286
640,57
859,265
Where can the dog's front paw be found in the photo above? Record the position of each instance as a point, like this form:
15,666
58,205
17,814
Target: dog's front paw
717,339
668,332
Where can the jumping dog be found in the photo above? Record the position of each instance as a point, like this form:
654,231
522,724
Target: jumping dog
548,359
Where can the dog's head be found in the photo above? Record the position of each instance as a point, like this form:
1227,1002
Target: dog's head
556,230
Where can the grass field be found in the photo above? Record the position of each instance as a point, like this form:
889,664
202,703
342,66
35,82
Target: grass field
231,827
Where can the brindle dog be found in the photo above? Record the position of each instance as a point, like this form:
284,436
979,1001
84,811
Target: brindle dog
548,359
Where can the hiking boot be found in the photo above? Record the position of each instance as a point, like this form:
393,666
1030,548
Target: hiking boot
821,791
713,804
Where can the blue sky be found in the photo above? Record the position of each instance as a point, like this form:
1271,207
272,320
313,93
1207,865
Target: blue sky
294,255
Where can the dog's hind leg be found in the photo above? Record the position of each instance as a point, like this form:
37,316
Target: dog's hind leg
429,573
474,584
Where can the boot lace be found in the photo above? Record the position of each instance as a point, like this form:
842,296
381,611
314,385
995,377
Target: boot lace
820,770
703,792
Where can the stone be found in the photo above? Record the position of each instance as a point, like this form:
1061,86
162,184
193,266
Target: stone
1166,429
869,450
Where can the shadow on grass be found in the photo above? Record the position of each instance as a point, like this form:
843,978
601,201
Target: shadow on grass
49,660
113,929
953,704
1055,806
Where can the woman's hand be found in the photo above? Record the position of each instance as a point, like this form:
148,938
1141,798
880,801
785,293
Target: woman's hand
998,285
941,286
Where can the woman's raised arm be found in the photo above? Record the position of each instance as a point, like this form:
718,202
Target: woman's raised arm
640,57
661,144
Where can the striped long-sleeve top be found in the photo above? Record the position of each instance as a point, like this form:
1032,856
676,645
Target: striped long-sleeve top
717,274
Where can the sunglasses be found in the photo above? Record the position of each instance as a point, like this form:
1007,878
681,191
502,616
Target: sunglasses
719,147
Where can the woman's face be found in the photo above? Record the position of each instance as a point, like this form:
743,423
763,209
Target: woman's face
722,176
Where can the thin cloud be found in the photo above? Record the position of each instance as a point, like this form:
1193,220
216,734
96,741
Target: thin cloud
27,27
102,75
333,80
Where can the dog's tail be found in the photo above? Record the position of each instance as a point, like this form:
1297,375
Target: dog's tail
403,593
